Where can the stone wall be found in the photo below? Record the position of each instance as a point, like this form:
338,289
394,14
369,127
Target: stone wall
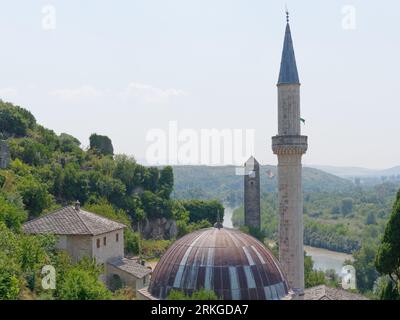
4,154
290,204
289,109
111,249
289,145
252,214
78,246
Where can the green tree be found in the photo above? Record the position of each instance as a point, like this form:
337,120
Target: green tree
156,206
364,263
9,279
101,144
34,194
312,277
68,143
151,179
388,257
11,214
166,182
347,206
81,282
204,210
14,120
385,289
29,151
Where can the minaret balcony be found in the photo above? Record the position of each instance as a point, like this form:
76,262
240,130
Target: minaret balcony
289,144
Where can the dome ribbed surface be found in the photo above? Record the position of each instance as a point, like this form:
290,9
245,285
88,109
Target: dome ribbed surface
236,266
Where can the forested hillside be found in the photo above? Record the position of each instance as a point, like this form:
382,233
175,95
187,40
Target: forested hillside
205,182
48,171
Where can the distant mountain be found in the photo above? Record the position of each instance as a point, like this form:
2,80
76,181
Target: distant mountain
206,182
351,172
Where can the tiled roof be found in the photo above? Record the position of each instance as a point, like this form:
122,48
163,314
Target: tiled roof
326,293
130,266
70,221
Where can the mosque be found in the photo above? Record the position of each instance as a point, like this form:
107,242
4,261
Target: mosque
235,265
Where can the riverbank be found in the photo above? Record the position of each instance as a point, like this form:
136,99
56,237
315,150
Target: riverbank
326,259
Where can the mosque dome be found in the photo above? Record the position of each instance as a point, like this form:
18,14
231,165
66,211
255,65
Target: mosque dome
235,265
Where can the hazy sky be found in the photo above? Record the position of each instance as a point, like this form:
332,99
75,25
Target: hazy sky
122,68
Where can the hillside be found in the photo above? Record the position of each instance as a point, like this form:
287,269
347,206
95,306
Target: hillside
351,172
222,183
44,171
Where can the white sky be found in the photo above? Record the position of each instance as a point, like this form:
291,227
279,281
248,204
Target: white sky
122,68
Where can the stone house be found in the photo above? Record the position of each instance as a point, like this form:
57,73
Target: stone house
85,234
128,272
323,292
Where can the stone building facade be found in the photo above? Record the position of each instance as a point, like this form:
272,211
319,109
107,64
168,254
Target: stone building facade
102,247
252,216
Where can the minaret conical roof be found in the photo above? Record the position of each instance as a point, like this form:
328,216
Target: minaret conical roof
288,73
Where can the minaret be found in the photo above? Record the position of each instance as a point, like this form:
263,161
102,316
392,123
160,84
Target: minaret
252,194
289,145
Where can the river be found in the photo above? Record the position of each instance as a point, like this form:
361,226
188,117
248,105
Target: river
228,213
326,259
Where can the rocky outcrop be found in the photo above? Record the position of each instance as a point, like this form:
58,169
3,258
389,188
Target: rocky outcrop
4,154
159,229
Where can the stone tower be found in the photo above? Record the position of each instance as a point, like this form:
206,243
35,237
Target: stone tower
252,193
289,145
4,154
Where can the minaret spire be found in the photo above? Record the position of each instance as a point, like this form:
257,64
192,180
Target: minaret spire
288,73
289,145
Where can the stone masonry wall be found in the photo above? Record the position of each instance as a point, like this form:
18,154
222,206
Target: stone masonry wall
252,214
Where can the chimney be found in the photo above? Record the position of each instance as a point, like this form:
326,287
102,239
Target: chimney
77,205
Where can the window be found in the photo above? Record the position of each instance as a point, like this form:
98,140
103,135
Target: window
117,237
105,241
98,243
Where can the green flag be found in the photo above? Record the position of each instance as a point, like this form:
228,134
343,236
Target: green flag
303,120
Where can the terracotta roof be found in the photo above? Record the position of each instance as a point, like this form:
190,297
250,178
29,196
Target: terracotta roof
327,293
130,266
233,264
70,221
